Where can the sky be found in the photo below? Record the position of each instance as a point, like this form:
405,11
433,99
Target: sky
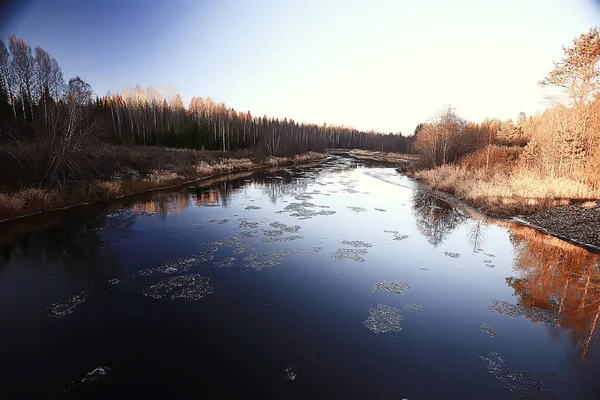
382,65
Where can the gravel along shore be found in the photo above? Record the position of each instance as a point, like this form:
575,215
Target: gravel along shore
579,222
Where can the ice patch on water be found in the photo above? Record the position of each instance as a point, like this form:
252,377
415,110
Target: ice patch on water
243,248
267,260
384,319
272,233
189,287
301,197
517,310
285,228
226,262
357,209
355,255
281,239
391,286
245,224
176,266
303,210
291,374
114,281
521,384
413,307
451,255
397,235
356,243
67,307
488,330
249,234
220,221
316,250
96,374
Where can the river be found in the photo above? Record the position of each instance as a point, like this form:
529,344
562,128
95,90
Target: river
340,280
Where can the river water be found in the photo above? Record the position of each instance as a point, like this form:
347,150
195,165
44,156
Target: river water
339,280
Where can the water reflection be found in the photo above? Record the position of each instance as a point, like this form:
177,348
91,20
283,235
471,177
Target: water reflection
558,276
435,218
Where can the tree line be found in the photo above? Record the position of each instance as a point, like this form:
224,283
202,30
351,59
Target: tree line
35,99
562,141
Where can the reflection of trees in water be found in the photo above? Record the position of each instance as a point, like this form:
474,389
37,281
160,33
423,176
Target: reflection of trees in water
477,234
434,217
561,277
73,245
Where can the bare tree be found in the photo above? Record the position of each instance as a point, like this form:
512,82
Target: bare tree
23,67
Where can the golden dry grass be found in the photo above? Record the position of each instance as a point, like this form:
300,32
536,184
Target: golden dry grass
503,193
31,200
272,161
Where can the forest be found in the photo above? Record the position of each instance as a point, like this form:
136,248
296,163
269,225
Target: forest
59,140
534,163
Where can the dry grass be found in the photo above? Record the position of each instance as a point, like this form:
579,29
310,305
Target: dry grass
134,170
28,200
508,191
111,189
297,159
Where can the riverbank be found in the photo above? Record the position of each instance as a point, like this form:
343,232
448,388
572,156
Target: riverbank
396,159
135,170
561,207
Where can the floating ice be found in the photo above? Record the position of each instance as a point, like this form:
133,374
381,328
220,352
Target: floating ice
219,221
267,260
488,330
316,250
176,266
384,319
96,374
517,310
521,384
413,307
272,232
349,254
245,224
285,228
397,235
67,307
356,243
114,281
452,255
391,286
356,209
291,374
190,287
301,197
227,262
281,239
249,234
243,247
303,210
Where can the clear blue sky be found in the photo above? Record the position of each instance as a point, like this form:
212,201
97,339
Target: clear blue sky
383,65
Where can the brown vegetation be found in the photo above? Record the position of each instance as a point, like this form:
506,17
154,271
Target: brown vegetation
134,170
540,162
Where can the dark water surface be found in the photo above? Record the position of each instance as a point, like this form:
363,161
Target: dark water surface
334,281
